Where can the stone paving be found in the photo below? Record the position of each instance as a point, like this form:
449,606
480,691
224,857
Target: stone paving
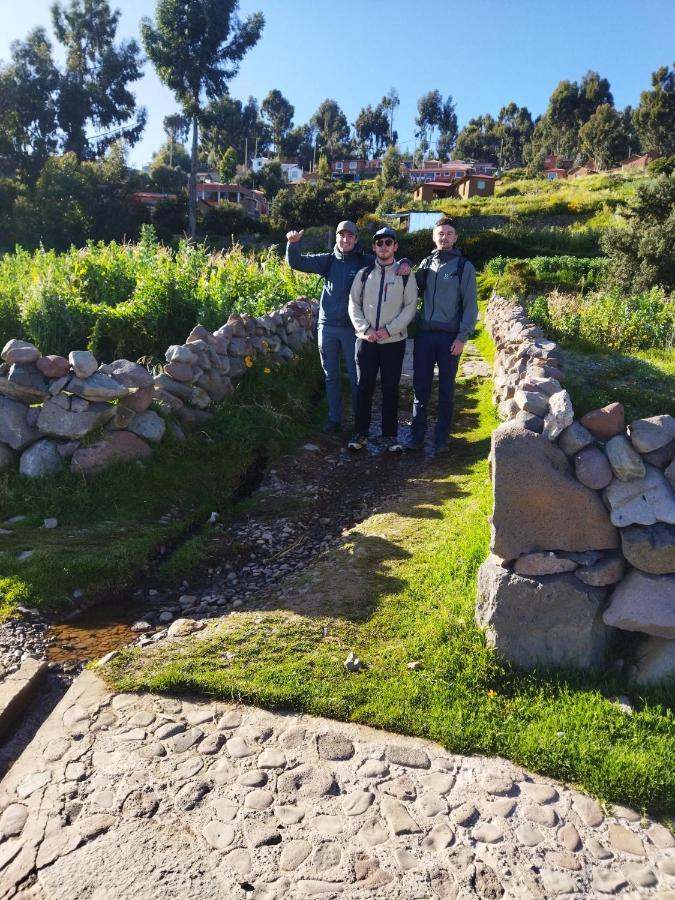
125,796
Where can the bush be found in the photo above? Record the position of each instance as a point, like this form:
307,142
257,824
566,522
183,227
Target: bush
133,300
608,320
642,254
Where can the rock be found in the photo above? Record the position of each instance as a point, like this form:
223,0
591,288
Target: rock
548,386
140,400
6,457
574,438
538,503
642,501
352,663
66,450
183,627
592,468
650,548
59,384
118,446
17,351
83,362
148,425
58,422
53,366
651,434
661,457
97,387
334,747
625,462
554,621
656,660
560,415
529,422
606,571
670,474
180,371
625,840
180,354
40,460
532,401
507,409
123,417
543,564
644,603
604,423
24,383
127,373
14,428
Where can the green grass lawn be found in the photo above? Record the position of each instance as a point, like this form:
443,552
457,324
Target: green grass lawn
644,381
112,525
401,589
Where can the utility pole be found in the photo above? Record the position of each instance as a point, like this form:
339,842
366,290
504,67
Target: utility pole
246,151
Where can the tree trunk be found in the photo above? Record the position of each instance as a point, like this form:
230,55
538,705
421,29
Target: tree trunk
192,190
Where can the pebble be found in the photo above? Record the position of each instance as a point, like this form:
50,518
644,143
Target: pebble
50,523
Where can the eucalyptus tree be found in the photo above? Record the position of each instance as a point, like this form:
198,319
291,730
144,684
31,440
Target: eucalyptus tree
196,47
176,130
655,116
94,85
279,114
332,128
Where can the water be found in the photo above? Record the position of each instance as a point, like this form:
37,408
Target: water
97,631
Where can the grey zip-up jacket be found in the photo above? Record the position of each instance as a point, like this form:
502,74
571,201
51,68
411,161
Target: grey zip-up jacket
383,301
445,307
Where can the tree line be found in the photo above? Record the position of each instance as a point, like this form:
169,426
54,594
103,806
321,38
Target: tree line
56,118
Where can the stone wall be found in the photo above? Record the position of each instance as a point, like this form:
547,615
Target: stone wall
583,525
49,405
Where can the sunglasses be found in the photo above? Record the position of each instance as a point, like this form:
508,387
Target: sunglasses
385,242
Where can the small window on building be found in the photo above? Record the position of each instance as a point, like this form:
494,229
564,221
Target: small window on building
480,185
353,164
338,166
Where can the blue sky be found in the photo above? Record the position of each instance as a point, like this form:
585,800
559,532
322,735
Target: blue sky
484,53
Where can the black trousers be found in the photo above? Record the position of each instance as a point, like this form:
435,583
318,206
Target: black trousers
387,359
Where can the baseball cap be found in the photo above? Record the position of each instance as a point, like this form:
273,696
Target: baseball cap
385,232
347,226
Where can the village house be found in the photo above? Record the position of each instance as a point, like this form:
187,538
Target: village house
435,170
463,188
252,201
355,169
636,161
291,172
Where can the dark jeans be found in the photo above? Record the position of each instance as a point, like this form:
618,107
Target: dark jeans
433,348
388,360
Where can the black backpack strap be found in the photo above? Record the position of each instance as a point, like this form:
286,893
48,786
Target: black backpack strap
365,272
461,262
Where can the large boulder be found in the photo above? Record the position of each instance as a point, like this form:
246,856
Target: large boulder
538,503
650,548
41,459
53,366
141,399
625,462
554,620
118,446
642,501
644,603
574,438
56,421
592,468
14,427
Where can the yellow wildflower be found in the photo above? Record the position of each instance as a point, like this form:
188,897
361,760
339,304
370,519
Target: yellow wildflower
248,361
491,693
267,370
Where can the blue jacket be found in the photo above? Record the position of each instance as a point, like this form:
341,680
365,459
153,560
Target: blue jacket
338,270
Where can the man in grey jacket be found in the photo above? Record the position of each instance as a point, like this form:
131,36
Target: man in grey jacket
449,313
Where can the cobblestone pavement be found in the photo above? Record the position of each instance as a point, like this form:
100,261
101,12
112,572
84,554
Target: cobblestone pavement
125,796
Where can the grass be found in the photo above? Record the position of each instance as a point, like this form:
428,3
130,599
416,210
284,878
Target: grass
401,589
644,381
114,524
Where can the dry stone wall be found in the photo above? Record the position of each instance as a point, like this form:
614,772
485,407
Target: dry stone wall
583,524
49,405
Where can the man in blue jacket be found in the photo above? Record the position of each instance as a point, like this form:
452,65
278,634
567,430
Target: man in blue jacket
447,282
336,332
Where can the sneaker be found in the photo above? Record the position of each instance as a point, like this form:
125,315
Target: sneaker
414,445
392,445
332,427
358,442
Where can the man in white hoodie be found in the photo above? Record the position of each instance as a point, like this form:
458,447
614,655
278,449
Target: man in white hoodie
381,306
